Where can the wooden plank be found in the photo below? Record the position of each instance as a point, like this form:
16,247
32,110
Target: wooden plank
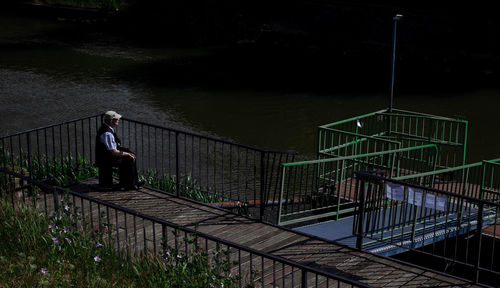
368,268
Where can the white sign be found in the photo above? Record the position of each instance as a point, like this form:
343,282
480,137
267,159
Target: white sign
441,203
436,202
414,196
430,201
395,192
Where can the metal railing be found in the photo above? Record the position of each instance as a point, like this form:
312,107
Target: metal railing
338,143
178,162
397,129
324,188
133,233
479,180
452,232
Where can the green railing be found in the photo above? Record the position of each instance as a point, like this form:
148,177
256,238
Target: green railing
324,188
450,230
379,130
338,143
479,180
491,181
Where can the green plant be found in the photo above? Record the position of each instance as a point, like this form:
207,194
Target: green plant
62,171
61,250
188,186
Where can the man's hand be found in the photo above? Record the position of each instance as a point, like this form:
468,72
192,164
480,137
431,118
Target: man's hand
130,155
118,153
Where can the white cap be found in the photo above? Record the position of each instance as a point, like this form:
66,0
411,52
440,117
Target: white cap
111,115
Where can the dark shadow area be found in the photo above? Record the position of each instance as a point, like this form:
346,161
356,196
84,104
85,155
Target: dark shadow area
263,68
306,45
464,250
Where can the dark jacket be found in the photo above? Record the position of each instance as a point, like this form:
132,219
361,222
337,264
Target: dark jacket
103,157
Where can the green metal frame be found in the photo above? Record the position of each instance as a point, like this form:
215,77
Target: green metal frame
322,186
404,127
359,140
480,180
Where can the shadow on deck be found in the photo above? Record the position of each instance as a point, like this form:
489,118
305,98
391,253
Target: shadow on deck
314,252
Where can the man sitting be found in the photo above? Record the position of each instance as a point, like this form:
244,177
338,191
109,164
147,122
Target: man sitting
109,153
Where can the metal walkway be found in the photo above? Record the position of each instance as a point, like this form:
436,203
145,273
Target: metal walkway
321,254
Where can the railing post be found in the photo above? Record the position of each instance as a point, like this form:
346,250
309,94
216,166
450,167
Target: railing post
177,184
361,215
56,199
164,239
478,235
282,200
304,279
30,162
262,185
30,155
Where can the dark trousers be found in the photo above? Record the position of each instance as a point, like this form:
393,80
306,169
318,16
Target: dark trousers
127,170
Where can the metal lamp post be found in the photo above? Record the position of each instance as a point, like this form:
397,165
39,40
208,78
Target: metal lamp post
396,18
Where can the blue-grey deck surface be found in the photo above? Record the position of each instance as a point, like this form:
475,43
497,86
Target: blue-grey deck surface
432,230
365,267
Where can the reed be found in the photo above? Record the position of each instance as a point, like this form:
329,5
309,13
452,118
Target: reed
62,171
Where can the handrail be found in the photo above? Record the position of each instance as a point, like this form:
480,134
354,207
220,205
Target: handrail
403,222
210,138
426,116
360,134
49,126
403,113
361,155
154,126
193,232
430,173
367,176
351,119
222,169
322,186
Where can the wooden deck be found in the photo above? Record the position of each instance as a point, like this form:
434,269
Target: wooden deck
364,267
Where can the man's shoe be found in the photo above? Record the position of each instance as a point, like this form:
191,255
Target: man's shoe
137,186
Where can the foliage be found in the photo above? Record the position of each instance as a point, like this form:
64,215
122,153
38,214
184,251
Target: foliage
62,171
61,250
188,187
58,171
66,170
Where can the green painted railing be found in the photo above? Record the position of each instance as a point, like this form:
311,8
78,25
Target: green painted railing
449,228
338,143
324,188
480,180
383,130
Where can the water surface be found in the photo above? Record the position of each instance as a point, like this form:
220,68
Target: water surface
52,71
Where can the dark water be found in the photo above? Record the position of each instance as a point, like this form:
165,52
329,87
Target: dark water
53,70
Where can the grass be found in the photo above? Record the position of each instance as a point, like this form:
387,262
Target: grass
189,187
60,250
62,171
